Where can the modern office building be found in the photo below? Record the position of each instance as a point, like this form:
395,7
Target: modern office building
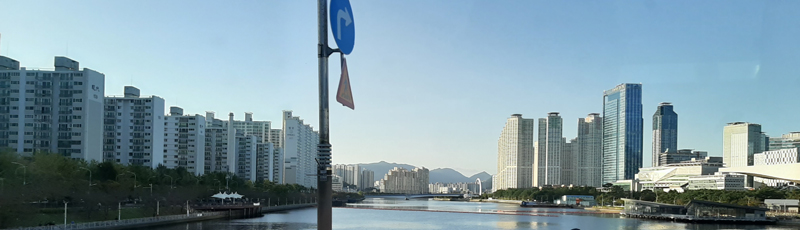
665,131
400,180
367,179
515,154
740,141
680,155
550,144
622,132
300,151
184,141
786,141
590,151
56,110
134,129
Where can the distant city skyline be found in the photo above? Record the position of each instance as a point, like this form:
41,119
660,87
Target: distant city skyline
463,69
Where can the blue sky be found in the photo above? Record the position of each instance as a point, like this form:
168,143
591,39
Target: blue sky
434,81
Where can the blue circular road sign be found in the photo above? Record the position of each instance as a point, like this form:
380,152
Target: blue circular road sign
342,25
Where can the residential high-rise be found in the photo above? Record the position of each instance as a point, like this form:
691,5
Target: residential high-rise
134,132
622,132
665,131
184,141
367,179
515,154
300,151
216,149
400,180
246,164
740,140
268,158
590,150
569,162
59,111
548,160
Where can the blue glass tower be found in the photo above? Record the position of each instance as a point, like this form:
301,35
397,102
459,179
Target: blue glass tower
665,131
622,132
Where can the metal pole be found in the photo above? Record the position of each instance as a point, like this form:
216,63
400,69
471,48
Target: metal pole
324,148
65,214
119,211
158,206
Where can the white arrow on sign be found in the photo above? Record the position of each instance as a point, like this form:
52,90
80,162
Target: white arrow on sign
342,14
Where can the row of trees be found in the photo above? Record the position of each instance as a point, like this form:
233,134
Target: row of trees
93,191
615,193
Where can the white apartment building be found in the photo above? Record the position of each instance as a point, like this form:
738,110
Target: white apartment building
134,129
548,156
515,158
300,151
52,110
400,180
220,150
184,141
350,174
270,162
246,156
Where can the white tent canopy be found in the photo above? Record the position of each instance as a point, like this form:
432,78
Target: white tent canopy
227,195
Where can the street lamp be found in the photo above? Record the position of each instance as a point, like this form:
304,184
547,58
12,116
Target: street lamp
134,178
24,172
90,175
170,181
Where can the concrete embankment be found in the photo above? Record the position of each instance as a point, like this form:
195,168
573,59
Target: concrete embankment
165,220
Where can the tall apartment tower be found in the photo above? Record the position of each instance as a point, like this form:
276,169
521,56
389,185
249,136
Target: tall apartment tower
134,129
515,154
300,151
590,151
548,161
569,162
367,179
218,158
184,141
58,111
665,131
622,132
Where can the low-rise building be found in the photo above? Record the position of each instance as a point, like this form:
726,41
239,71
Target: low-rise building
782,205
718,181
578,200
679,156
676,176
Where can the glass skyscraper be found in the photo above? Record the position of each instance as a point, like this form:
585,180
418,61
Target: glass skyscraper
665,131
622,132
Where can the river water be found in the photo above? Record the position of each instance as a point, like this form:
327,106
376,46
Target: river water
430,214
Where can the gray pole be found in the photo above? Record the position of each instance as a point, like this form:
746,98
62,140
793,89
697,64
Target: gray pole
324,147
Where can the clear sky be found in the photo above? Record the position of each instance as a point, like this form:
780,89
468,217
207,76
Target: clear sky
434,81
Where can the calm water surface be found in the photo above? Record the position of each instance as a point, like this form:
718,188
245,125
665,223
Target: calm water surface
411,215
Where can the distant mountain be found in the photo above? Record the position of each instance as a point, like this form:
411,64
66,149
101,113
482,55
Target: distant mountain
482,175
446,175
383,167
